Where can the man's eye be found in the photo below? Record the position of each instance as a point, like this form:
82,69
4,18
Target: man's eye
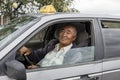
68,32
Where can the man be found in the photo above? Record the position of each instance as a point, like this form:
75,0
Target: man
54,53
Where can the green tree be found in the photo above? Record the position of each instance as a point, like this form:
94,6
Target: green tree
7,9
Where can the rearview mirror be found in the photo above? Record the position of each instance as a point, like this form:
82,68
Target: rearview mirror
15,70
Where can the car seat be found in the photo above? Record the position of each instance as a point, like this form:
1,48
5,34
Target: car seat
82,39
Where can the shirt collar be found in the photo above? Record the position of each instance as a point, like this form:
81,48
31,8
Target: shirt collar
64,48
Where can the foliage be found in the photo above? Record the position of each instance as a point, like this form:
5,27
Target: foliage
32,6
5,6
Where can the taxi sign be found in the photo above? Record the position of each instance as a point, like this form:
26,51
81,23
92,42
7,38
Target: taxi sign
47,9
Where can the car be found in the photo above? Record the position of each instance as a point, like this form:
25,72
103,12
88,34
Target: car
98,41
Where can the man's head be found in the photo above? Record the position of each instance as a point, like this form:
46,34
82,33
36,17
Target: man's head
67,35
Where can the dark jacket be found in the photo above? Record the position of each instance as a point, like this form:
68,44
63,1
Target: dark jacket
39,54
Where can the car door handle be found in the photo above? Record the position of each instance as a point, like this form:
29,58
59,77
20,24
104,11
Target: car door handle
86,77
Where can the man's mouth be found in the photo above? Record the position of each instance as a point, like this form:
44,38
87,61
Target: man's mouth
63,38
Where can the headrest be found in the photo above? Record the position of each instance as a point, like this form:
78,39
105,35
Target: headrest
56,34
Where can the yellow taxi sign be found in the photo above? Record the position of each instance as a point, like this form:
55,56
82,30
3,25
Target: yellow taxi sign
47,9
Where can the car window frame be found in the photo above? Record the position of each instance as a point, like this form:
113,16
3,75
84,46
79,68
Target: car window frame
62,20
69,19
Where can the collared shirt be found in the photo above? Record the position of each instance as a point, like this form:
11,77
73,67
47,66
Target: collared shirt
55,57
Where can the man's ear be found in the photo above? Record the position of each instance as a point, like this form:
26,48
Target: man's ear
74,38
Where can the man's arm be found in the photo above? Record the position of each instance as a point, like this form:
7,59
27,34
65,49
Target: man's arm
37,55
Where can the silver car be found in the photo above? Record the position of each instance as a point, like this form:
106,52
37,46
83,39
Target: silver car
98,41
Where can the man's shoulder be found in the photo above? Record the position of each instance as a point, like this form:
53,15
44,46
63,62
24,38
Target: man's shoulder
74,45
53,42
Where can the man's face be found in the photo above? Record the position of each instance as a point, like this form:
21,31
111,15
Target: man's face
67,35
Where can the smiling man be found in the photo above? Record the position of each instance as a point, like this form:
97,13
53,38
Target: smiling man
54,53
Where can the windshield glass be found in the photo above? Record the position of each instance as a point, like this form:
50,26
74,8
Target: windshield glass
12,29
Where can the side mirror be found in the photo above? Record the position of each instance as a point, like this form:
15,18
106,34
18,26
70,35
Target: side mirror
15,70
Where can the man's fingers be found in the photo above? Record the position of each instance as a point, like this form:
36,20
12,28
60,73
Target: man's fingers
27,53
24,50
32,67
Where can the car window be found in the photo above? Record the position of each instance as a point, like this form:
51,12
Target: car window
12,29
111,36
83,51
111,24
83,54
37,41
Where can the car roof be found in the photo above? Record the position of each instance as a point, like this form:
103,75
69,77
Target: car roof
78,14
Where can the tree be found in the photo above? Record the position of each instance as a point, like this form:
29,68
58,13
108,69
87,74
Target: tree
7,9
29,6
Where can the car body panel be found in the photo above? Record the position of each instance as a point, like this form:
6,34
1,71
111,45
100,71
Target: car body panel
66,72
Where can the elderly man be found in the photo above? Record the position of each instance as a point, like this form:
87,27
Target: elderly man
54,54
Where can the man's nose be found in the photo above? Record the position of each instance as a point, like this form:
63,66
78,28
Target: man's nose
64,34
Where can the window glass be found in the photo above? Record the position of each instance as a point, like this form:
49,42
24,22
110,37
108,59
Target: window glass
81,54
111,36
111,24
37,41
15,27
39,36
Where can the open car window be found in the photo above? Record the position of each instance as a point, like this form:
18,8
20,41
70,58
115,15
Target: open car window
83,52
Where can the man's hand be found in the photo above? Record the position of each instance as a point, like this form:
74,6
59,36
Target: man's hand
32,66
24,51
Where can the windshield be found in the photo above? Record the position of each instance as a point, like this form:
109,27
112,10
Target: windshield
12,29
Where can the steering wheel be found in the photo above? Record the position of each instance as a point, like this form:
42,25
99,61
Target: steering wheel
23,59
28,60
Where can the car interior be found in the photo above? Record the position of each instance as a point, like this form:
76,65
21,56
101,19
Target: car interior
41,39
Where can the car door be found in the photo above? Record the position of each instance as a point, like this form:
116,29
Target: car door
111,37
89,69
